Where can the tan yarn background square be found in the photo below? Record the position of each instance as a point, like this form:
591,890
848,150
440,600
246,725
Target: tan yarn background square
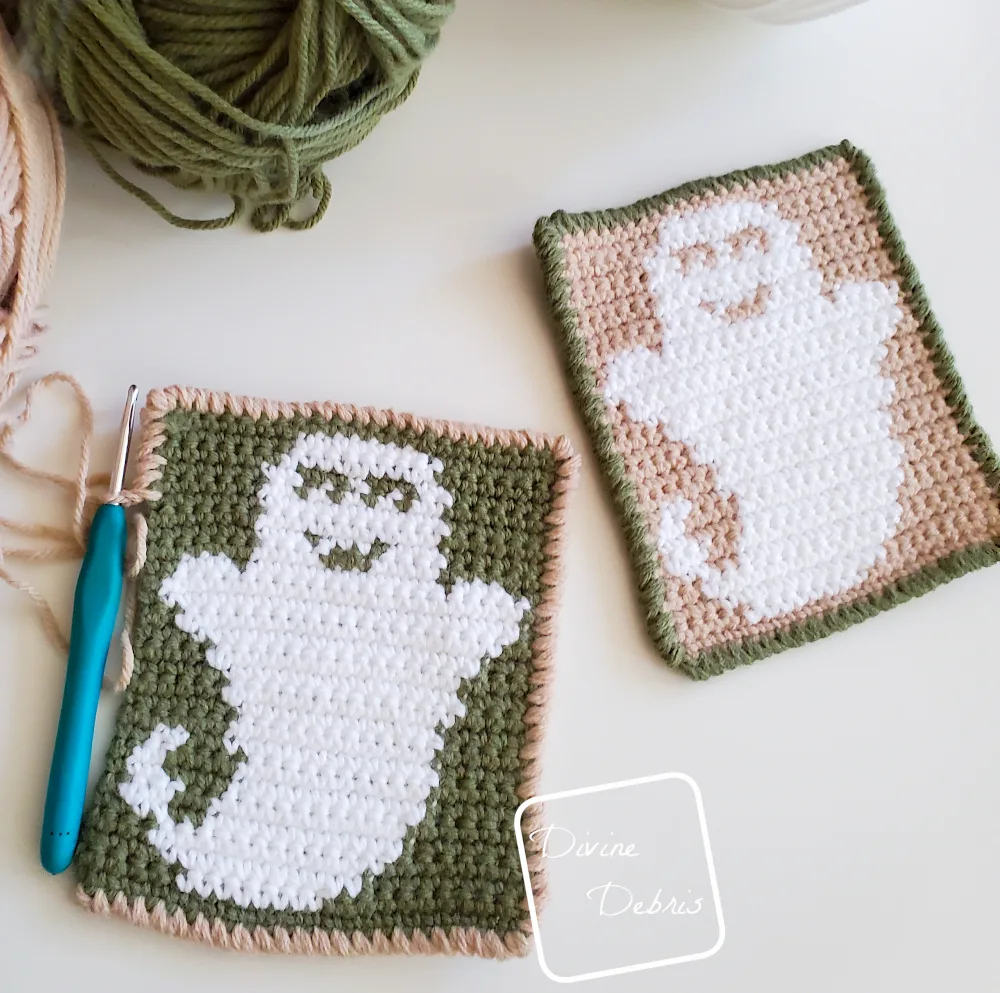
596,268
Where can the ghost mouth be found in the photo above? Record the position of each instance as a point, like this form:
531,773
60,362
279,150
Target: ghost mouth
352,558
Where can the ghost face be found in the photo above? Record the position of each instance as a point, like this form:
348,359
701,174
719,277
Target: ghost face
355,504
719,266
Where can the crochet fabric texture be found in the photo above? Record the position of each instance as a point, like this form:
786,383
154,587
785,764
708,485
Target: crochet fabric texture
343,640
771,398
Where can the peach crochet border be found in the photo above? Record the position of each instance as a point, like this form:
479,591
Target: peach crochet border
455,941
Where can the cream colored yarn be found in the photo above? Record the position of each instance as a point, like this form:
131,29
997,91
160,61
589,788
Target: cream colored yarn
32,191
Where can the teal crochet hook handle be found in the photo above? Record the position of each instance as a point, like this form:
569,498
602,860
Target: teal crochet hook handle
95,608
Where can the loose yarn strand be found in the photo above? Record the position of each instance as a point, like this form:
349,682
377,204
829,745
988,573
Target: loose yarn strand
136,559
54,544
51,544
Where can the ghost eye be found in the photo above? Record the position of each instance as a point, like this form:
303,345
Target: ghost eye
333,484
748,241
693,258
382,486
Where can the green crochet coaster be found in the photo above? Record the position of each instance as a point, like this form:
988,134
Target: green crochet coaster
770,396
342,643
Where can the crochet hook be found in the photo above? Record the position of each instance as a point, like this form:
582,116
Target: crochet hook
95,609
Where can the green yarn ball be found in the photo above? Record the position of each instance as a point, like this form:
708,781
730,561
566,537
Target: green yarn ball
245,97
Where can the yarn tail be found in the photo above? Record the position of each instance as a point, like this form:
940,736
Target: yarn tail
149,790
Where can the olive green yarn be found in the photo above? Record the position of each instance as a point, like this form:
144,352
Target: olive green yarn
334,484
350,558
243,97
460,866
548,239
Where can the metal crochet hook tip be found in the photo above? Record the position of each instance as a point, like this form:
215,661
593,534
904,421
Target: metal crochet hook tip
124,438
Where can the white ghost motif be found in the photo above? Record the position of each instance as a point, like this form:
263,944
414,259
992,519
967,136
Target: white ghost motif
344,657
780,389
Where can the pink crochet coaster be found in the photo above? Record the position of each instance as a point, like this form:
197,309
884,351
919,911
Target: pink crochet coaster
787,440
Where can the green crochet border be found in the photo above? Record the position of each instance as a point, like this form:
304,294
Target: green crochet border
548,239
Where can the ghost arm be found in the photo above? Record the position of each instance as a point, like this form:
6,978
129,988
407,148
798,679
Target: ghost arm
872,308
637,379
204,587
485,617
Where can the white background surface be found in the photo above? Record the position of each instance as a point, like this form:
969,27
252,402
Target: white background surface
850,786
